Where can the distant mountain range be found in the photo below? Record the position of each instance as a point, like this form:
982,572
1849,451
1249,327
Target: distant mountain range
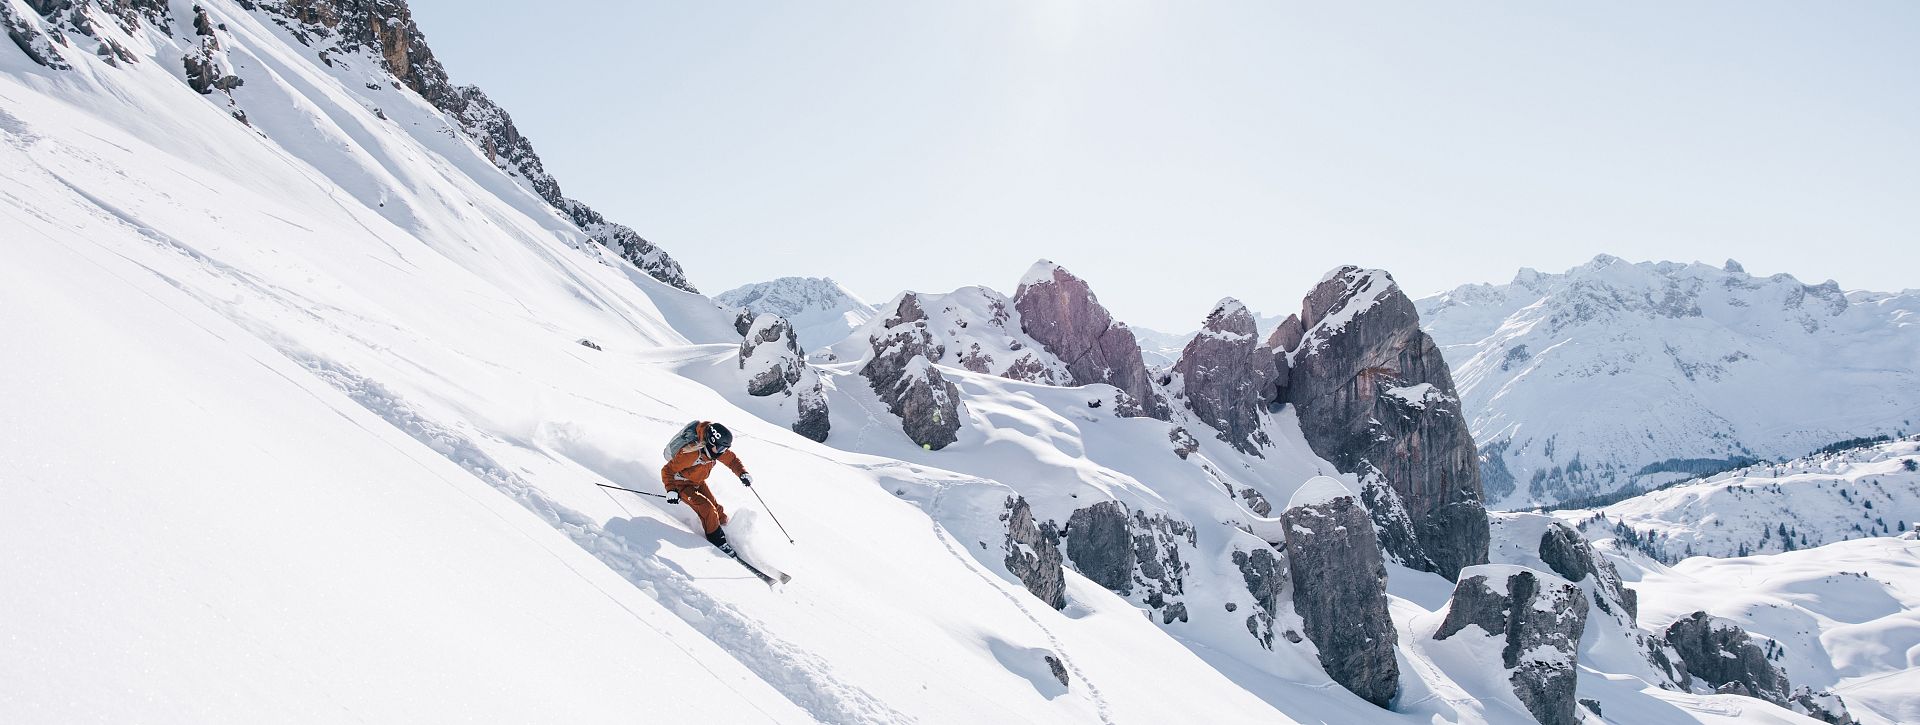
1617,374
821,311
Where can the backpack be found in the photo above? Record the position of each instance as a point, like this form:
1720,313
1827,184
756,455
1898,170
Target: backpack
680,440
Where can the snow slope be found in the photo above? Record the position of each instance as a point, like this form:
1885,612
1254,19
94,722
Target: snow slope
309,416
436,361
1872,490
822,312
309,434
1847,615
1674,370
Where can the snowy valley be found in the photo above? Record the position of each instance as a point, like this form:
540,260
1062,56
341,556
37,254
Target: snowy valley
315,375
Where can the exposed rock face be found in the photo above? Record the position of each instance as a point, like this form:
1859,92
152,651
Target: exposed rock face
1340,591
1059,311
206,66
1033,554
1255,502
1392,523
1266,577
36,44
811,417
1100,544
1726,658
1540,618
1228,377
1183,442
1374,395
1160,570
769,357
902,374
1569,554
386,29
771,362
1059,669
1822,705
1132,554
66,24
1543,542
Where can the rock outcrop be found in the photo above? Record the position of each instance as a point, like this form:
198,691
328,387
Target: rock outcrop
36,43
1059,311
1728,659
1375,398
1133,554
1724,657
1540,619
902,373
1227,377
1823,705
1614,641
771,363
1340,588
1100,545
1265,575
769,357
1033,554
68,24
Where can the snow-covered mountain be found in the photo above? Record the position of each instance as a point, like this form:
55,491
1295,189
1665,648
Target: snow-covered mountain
313,375
1161,349
821,311
1616,374
1865,490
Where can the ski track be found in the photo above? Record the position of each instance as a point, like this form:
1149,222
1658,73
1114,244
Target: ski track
967,560
803,678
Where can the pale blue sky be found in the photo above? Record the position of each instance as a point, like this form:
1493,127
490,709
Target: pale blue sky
1175,153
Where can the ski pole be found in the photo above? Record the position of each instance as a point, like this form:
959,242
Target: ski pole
629,490
776,519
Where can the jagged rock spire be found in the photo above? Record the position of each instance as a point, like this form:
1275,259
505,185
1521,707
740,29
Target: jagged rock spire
1060,311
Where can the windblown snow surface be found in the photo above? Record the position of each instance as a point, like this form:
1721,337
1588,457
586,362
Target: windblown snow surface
301,429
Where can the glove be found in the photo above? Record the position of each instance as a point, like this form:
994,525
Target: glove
746,479
673,499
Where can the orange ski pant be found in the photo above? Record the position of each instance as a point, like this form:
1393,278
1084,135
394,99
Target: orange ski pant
699,498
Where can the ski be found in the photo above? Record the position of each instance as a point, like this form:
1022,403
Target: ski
770,581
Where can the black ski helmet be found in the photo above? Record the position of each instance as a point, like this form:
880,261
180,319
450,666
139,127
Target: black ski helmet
717,439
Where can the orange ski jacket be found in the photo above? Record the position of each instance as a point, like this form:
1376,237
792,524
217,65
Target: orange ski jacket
691,466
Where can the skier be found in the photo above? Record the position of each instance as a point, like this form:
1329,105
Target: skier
685,475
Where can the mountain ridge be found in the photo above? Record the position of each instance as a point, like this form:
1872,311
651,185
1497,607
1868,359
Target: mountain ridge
1697,362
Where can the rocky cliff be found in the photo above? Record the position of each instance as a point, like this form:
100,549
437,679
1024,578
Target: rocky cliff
1375,398
1539,618
902,373
771,363
1060,311
1227,378
1134,554
1725,657
1340,588
1033,554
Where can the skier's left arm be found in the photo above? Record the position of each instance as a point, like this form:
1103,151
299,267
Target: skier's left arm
732,462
